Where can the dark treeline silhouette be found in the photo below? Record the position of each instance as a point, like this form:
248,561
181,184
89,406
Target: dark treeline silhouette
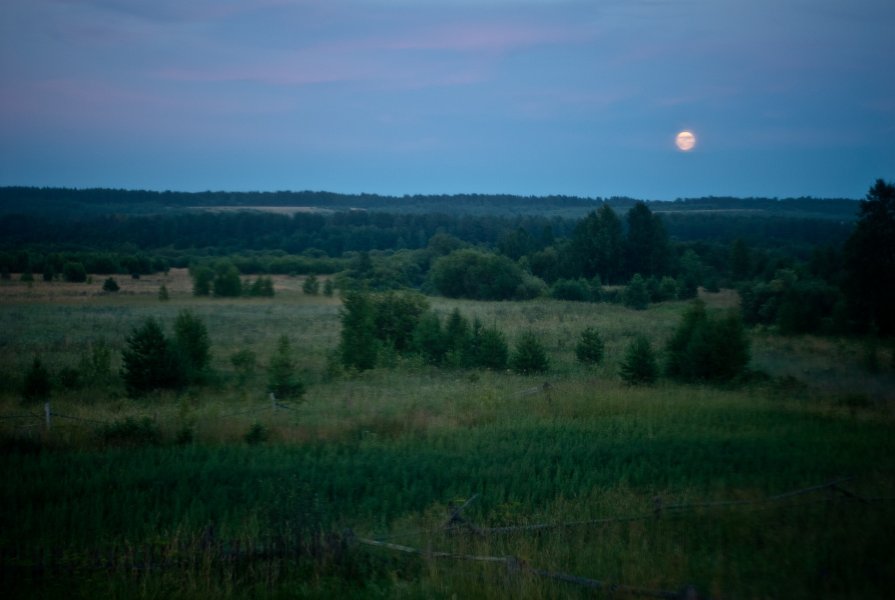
786,257
80,203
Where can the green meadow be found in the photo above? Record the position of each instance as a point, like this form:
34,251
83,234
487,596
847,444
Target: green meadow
218,492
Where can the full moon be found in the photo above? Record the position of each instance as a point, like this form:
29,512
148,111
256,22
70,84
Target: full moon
685,140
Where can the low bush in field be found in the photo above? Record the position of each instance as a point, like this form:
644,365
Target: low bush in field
131,432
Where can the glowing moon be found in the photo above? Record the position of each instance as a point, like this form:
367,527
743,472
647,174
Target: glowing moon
685,140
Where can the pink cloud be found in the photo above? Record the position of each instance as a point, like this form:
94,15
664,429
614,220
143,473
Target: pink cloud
495,37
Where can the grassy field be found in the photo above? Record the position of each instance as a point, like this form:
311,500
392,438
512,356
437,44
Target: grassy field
387,453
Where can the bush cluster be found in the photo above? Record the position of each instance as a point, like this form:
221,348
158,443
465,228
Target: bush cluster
707,349
378,325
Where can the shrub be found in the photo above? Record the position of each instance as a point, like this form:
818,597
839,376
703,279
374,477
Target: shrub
429,340
478,275
529,356
37,384
636,295
282,380
457,338
226,282
358,346
49,274
328,288
257,434
705,349
27,276
149,362
110,285
639,365
132,432
95,365
487,348
163,295
74,272
396,316
69,378
244,363
261,287
576,290
311,285
202,278
589,349
668,289
191,341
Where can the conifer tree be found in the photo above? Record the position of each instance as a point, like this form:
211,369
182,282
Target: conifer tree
529,356
358,346
149,362
37,384
589,349
282,379
639,365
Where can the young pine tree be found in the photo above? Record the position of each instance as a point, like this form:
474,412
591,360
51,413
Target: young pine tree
282,380
429,339
358,346
37,385
589,349
639,365
193,345
636,294
529,357
487,348
149,362
311,285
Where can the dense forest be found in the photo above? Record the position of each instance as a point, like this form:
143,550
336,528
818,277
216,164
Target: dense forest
794,261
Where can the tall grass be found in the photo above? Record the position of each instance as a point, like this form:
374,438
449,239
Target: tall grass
386,452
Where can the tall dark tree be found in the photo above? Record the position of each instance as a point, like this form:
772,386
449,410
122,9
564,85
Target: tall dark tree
707,349
226,281
37,382
149,361
202,277
870,261
639,367
646,244
596,246
429,339
529,356
396,315
282,378
358,346
191,340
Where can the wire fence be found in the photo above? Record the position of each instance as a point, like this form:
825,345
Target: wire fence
456,522
515,565
46,420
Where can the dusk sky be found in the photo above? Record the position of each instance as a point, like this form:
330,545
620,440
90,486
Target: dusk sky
785,97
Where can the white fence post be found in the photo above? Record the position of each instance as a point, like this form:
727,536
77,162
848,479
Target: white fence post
47,413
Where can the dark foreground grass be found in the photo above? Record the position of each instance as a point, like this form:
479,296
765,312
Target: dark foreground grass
91,509
190,506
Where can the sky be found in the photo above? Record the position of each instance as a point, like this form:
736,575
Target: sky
532,97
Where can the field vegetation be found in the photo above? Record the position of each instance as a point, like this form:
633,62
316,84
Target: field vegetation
626,402
215,491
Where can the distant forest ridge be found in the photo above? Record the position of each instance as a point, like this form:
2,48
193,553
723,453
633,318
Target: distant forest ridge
72,203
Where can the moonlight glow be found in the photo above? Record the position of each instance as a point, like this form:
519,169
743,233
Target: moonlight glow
685,141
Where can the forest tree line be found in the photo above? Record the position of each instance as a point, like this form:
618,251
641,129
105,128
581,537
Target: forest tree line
800,274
